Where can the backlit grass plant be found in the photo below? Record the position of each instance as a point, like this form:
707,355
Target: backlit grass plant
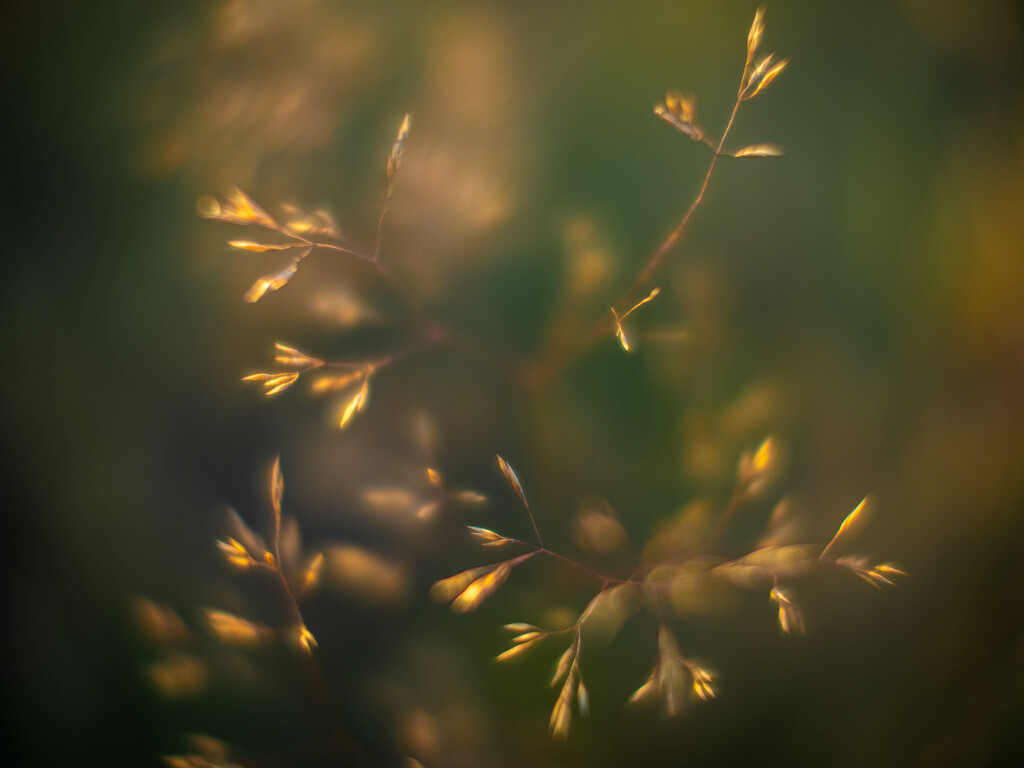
679,565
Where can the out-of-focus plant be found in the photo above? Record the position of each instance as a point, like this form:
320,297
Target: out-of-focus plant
682,567
685,572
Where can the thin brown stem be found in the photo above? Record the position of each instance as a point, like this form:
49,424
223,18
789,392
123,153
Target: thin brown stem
293,601
277,550
663,250
605,579
539,375
380,227
342,249
286,589
536,530
602,577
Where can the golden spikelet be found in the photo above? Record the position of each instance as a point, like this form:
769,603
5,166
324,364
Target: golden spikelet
562,665
292,357
317,224
334,382
235,630
513,652
766,79
878,576
561,713
355,403
527,637
476,593
849,526
756,80
446,590
270,283
890,570
276,491
304,639
247,245
791,619
701,683
237,527
582,698
756,470
235,208
519,627
680,112
489,537
273,383
521,642
235,553
755,34
245,208
311,576
513,480
397,150
759,150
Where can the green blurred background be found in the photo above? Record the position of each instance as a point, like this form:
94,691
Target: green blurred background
860,298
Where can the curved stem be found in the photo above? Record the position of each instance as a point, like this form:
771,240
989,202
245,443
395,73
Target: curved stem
380,227
542,550
659,255
551,364
343,249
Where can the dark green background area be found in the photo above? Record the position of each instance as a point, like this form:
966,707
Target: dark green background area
873,275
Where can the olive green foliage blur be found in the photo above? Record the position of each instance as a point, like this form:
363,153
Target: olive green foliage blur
840,320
